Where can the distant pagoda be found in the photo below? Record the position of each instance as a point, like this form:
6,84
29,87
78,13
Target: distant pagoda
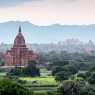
19,54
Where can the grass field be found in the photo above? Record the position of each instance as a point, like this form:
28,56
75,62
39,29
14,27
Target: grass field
40,83
2,74
48,80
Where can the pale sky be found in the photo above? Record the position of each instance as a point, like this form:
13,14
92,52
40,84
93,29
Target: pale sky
45,12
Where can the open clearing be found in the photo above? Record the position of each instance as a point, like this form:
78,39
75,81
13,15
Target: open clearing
48,80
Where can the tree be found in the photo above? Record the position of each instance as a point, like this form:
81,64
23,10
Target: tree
63,75
32,70
91,79
17,71
88,90
92,68
59,63
57,69
82,75
71,68
9,87
69,87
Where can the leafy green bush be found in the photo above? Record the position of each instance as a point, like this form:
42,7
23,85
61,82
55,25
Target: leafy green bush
30,70
62,76
91,79
9,87
17,71
82,75
69,87
57,69
88,90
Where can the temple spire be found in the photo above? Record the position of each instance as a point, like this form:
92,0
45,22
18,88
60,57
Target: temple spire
19,29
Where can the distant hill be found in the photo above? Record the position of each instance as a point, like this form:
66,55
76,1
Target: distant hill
45,34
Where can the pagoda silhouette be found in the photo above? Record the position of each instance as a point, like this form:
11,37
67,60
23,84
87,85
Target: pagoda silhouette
19,54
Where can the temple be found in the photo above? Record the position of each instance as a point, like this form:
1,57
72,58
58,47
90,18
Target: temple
19,54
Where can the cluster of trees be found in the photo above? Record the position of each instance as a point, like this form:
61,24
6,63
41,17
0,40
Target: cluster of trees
76,87
82,83
30,70
75,72
10,87
62,70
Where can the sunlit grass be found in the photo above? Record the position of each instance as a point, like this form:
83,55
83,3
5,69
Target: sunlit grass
2,74
49,80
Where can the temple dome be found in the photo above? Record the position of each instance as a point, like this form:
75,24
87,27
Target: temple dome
19,40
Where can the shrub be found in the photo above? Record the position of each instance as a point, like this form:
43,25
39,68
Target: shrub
91,79
9,87
62,76
30,70
82,75
17,71
69,87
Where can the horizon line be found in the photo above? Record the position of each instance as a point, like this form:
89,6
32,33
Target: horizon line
24,21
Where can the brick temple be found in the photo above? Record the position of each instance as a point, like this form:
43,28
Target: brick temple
19,54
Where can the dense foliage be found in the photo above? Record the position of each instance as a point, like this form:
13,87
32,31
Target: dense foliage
75,72
9,87
30,70
69,88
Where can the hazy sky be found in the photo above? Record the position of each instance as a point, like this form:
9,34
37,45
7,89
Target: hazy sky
44,12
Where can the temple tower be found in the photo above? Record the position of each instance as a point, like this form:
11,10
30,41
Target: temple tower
19,53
